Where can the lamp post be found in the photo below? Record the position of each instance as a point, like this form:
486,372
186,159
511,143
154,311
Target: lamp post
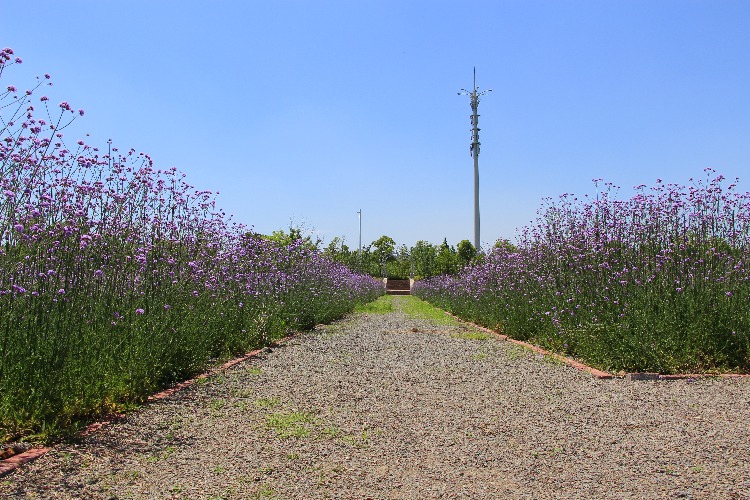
360,238
474,96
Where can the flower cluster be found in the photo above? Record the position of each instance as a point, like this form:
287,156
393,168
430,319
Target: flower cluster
658,282
117,277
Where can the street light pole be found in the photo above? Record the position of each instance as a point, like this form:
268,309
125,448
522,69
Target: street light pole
360,236
474,96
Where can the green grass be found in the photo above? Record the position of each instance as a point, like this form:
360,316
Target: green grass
418,308
479,356
516,351
255,370
357,441
331,431
217,404
382,305
267,402
293,423
290,424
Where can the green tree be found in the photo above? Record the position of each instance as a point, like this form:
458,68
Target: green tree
400,266
466,252
423,255
384,248
446,261
295,234
506,244
368,262
338,251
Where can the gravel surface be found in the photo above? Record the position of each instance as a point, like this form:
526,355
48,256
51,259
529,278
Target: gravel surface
389,406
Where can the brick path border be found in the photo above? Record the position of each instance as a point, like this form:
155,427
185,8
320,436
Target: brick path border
599,373
568,361
10,464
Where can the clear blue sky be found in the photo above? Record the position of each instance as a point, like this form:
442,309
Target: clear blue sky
312,110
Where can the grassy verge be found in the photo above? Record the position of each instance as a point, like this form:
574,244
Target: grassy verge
417,308
409,305
382,305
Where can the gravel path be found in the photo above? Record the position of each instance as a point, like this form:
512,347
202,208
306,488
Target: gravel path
388,406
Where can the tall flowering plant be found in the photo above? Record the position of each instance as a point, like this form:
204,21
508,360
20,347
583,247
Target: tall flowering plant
657,282
117,277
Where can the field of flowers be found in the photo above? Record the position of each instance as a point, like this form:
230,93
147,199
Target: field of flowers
659,282
117,278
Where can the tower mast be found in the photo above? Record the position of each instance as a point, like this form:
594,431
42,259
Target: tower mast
474,96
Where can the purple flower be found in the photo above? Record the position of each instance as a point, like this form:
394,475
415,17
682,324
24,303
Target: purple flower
139,311
167,307
18,227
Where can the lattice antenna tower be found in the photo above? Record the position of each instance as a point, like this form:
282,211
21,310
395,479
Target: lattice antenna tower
474,96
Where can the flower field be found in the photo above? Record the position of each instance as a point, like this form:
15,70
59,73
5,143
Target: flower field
117,277
659,282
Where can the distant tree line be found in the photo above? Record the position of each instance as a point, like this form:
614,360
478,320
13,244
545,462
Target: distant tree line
385,258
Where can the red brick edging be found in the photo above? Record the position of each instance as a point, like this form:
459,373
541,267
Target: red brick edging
598,373
10,464
568,361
